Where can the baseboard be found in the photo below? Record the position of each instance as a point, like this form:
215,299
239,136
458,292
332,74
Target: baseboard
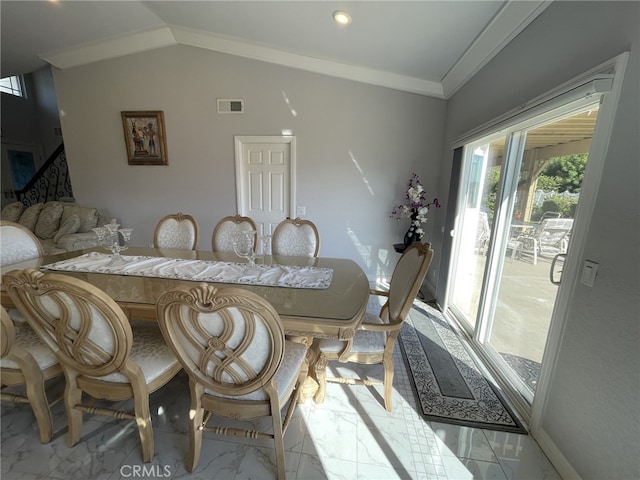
427,294
555,456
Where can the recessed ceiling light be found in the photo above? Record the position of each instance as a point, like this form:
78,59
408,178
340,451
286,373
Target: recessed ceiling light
342,17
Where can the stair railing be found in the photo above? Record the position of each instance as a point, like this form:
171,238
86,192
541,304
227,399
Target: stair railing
50,182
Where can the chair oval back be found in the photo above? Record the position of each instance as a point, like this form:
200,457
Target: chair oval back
226,229
229,339
296,237
176,231
85,327
8,333
407,279
18,243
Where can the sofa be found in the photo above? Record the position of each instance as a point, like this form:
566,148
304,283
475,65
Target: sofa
60,226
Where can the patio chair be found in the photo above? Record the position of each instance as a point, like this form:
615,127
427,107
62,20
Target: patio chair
375,338
546,215
551,237
26,361
99,353
296,237
231,344
176,231
227,229
483,233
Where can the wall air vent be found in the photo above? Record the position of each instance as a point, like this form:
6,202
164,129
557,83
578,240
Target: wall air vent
226,105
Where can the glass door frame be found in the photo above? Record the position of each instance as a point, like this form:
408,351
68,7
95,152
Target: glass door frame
515,140
505,126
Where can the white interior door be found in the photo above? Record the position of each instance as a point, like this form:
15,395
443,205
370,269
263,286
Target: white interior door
265,179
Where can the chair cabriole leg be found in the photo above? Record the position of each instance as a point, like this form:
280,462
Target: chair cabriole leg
196,414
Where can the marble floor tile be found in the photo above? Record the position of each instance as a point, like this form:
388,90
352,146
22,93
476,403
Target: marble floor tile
463,442
349,436
342,445
520,456
469,469
312,467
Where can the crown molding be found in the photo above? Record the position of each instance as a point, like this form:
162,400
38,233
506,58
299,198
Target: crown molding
137,42
512,18
325,67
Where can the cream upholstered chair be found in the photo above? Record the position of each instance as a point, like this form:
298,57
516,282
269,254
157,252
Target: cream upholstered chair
375,338
95,345
176,231
26,360
18,243
231,344
296,237
226,230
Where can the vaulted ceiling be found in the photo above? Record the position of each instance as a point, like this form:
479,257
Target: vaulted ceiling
427,47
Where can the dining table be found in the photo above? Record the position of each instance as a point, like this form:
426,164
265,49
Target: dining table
314,296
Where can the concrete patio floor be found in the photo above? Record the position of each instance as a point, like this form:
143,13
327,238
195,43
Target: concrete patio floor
522,313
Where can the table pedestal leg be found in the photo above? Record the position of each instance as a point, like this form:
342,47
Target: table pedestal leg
310,385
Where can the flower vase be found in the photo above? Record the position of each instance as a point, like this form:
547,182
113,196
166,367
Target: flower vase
411,236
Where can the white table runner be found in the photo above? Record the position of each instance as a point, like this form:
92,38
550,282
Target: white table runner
199,270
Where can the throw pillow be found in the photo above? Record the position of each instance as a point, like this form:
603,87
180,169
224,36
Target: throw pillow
49,220
88,217
70,226
12,212
30,216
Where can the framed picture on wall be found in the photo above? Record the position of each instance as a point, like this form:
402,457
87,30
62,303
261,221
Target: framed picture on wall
145,137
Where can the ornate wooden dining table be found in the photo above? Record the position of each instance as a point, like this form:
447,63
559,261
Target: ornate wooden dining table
332,312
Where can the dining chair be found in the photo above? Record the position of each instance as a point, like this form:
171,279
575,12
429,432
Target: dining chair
231,343
176,231
374,340
99,353
18,243
227,229
26,361
296,237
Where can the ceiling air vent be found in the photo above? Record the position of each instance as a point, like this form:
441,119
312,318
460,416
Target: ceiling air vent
226,105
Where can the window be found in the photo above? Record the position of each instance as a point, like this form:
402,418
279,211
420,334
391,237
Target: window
13,86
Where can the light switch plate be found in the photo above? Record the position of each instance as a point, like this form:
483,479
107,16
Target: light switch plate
589,272
301,211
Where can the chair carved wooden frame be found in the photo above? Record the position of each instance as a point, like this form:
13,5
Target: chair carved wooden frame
375,337
296,237
95,345
226,229
176,230
231,344
26,360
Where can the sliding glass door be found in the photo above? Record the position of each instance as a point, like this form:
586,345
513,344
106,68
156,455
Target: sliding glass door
520,190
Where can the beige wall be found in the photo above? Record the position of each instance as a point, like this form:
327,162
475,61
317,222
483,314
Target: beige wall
592,416
357,145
